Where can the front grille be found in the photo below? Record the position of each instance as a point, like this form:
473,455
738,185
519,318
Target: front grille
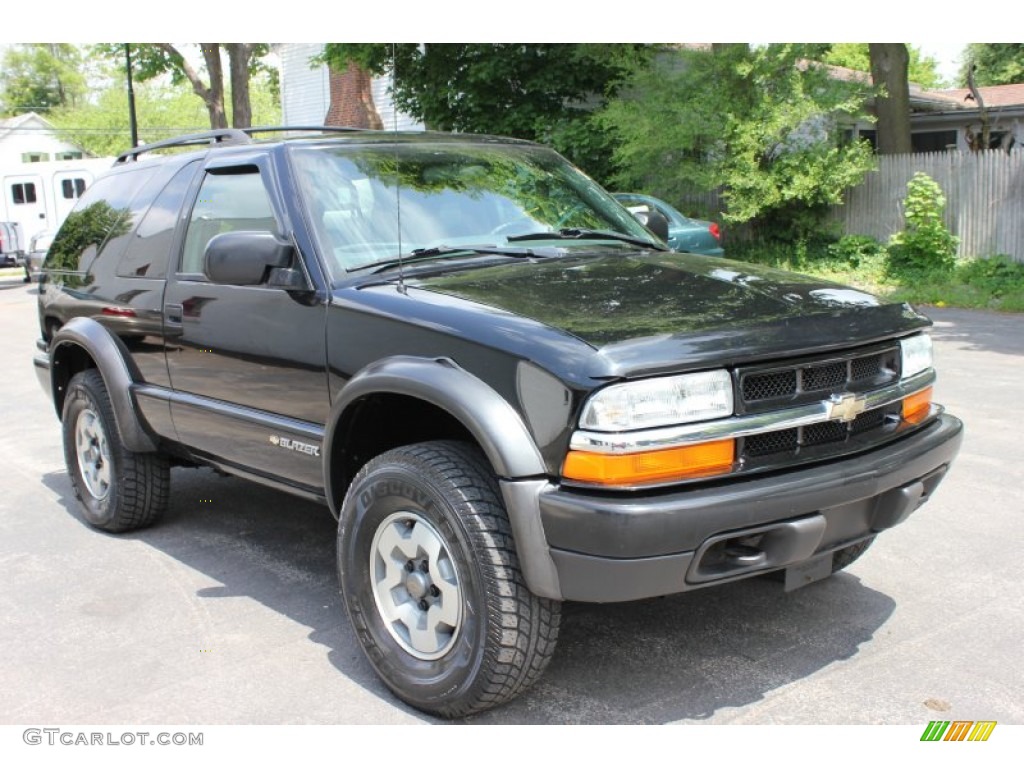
822,439
765,388
867,367
783,441
769,386
819,377
826,432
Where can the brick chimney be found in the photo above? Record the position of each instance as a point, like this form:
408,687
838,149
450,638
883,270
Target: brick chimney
352,99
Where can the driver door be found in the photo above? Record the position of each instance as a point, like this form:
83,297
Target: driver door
247,363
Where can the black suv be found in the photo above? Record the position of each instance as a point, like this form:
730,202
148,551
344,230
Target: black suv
506,389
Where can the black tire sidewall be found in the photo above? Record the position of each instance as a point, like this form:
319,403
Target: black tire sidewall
436,685
80,397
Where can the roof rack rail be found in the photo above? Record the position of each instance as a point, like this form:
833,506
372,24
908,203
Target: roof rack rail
320,128
220,136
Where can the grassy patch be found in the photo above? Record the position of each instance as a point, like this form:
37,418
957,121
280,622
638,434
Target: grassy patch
995,283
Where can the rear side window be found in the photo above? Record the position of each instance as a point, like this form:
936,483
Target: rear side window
71,189
103,215
228,202
23,194
149,251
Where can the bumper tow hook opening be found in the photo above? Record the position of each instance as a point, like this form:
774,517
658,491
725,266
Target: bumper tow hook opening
743,555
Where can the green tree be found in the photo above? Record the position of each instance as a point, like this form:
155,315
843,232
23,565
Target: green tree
921,69
41,76
995,63
542,92
755,122
152,60
163,110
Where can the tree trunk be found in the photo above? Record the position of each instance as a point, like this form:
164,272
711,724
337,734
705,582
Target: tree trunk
889,63
215,99
212,95
239,56
983,140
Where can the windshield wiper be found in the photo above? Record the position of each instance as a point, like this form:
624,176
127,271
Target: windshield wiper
423,254
586,234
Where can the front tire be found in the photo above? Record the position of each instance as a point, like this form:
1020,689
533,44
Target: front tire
119,490
432,584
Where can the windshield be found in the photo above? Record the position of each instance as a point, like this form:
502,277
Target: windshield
368,204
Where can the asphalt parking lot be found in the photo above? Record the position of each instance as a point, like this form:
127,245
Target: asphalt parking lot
228,611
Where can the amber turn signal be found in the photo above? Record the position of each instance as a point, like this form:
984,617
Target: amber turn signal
917,407
689,461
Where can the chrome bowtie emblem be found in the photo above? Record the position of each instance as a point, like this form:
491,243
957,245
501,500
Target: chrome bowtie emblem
845,408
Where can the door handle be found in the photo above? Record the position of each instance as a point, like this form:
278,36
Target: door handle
173,313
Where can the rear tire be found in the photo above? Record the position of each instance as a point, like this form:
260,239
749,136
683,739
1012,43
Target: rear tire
120,490
432,584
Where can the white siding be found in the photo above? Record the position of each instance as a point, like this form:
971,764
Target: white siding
306,91
386,108
18,136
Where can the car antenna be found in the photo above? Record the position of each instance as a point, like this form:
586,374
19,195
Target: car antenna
398,176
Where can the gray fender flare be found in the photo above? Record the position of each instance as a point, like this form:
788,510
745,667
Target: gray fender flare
117,370
494,423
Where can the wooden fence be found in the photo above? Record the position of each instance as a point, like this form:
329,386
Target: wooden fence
984,199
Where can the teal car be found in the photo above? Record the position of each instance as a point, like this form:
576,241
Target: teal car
684,233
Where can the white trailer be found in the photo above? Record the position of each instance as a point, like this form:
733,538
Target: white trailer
38,196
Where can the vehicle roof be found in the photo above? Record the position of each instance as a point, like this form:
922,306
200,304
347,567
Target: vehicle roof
232,140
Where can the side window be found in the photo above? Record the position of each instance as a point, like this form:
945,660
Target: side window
71,189
150,249
101,215
22,194
229,201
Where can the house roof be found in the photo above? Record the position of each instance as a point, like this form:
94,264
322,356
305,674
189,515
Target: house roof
10,124
994,95
920,99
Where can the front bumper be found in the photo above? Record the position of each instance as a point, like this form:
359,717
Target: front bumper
608,548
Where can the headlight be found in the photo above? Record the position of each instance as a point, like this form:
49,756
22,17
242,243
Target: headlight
917,354
659,402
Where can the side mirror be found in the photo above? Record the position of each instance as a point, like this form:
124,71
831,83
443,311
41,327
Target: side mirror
243,258
653,219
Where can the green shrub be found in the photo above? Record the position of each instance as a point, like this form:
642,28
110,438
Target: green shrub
926,246
997,275
855,249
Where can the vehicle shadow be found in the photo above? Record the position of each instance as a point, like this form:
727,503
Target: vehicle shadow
686,657
654,661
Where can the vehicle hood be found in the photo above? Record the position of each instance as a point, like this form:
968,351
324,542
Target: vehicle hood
648,312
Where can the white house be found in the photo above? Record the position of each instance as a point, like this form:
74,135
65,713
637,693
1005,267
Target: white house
306,90
41,176
29,138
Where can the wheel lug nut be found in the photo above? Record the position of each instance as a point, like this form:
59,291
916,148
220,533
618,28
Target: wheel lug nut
424,605
424,566
434,591
410,566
